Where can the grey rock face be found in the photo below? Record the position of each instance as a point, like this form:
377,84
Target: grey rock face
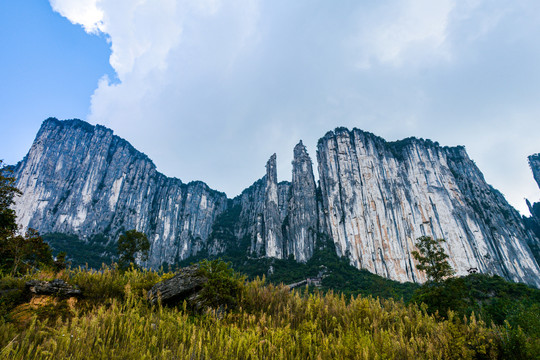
374,199
264,208
251,220
533,222
57,287
302,207
534,163
271,214
281,218
83,180
378,197
534,208
183,285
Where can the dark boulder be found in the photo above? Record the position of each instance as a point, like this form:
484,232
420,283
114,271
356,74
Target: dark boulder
56,287
185,285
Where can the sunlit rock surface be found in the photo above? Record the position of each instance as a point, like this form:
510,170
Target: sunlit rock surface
380,196
374,199
302,217
83,180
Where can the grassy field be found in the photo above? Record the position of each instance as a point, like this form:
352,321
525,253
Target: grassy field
113,320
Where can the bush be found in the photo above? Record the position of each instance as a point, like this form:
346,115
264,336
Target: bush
223,286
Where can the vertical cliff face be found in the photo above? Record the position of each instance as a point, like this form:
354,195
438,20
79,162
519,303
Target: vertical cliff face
302,207
251,220
84,180
533,222
374,199
271,215
378,197
263,211
534,163
281,219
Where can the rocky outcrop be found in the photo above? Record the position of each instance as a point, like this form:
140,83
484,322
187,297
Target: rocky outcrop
533,222
534,208
374,199
264,208
379,197
281,218
57,287
81,179
273,246
184,285
534,163
302,224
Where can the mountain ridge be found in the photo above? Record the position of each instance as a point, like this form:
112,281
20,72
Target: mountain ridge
373,199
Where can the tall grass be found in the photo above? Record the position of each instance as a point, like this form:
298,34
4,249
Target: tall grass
115,321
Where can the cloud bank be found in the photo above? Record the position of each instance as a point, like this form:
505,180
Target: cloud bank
209,89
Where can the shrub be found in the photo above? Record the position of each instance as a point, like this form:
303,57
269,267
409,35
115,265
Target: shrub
223,286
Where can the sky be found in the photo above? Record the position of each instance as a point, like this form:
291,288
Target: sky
210,89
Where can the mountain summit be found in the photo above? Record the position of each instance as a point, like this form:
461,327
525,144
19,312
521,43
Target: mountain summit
374,198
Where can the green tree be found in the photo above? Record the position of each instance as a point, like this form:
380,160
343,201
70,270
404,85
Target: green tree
223,286
432,259
60,263
132,245
8,191
18,253
22,253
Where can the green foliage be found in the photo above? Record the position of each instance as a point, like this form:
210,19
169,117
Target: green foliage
60,263
7,192
514,307
432,259
269,322
223,286
20,254
92,253
132,244
339,275
11,293
440,297
109,283
491,297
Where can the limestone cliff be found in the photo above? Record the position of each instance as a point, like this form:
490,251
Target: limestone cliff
83,180
379,197
374,199
533,222
534,163
302,214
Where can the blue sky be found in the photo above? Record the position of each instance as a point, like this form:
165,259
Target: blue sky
209,89
48,67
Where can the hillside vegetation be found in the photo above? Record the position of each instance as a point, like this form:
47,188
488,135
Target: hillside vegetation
113,320
353,315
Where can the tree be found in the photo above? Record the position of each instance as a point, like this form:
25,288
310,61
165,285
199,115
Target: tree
60,263
7,192
18,253
432,259
131,245
223,285
22,253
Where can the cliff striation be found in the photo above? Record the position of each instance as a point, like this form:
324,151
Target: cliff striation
534,163
533,222
373,200
81,179
379,197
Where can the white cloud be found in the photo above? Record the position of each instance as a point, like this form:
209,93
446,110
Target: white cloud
209,89
81,12
399,29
